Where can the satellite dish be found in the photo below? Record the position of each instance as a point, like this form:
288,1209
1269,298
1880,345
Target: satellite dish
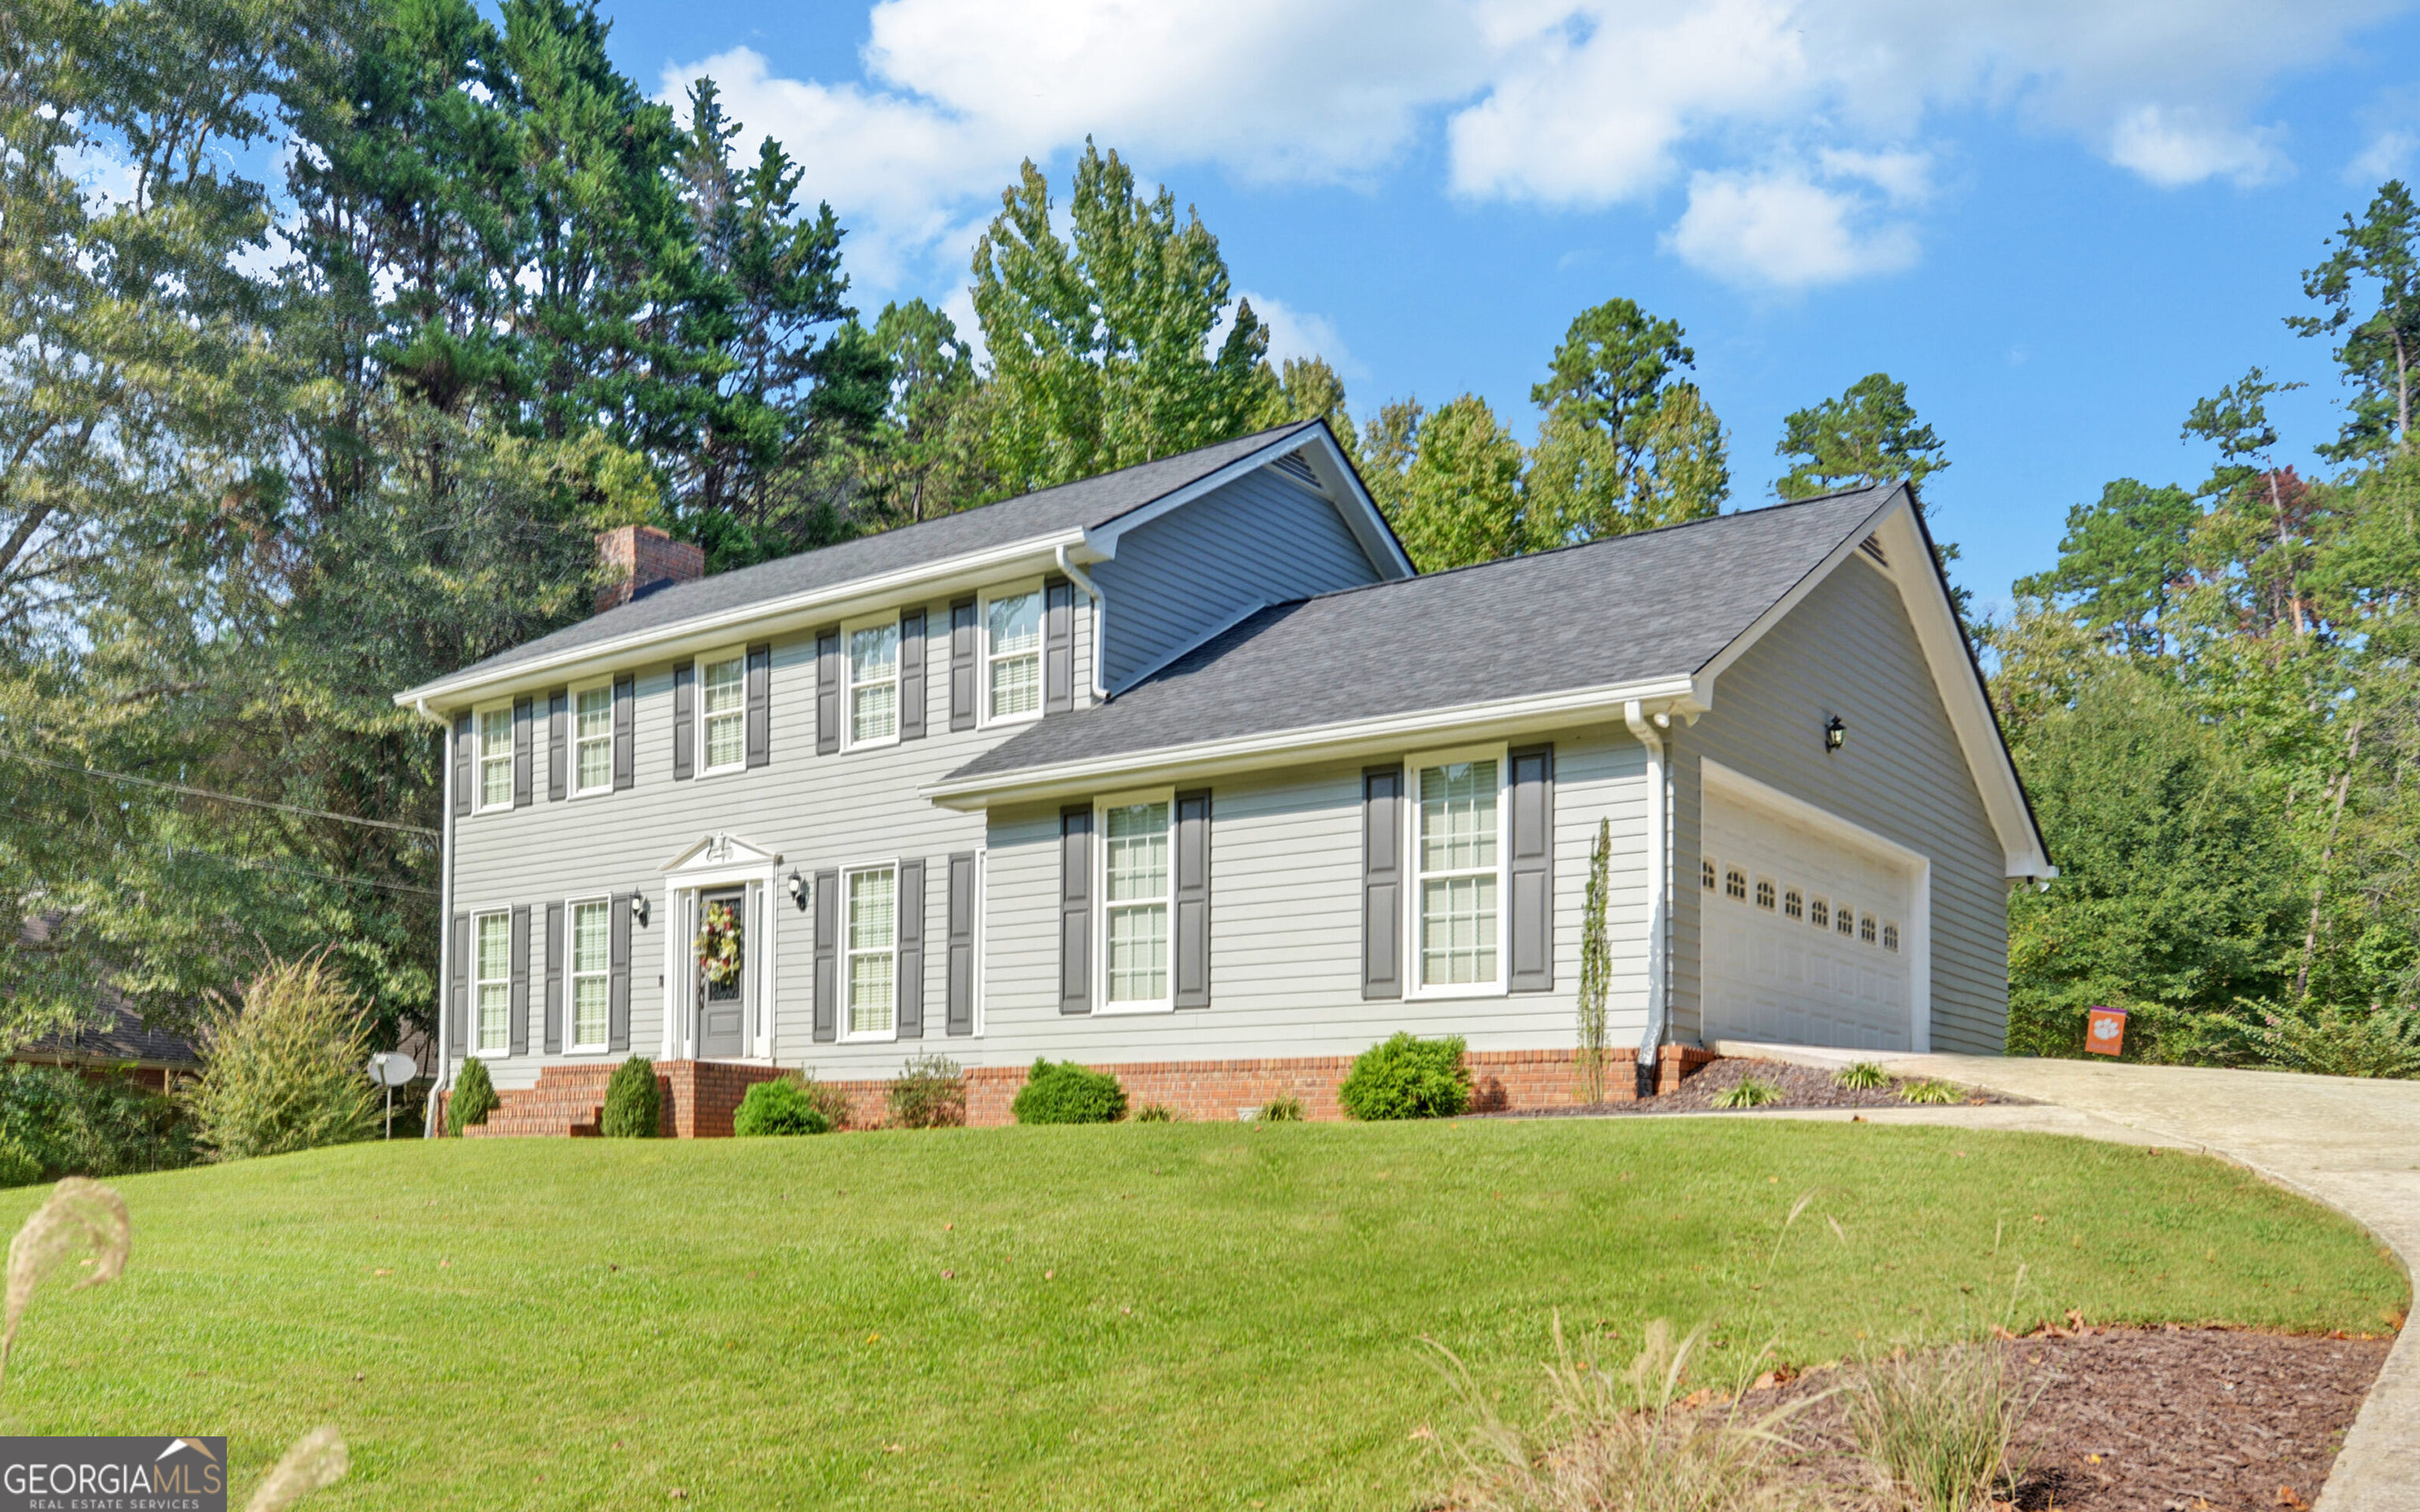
394,1068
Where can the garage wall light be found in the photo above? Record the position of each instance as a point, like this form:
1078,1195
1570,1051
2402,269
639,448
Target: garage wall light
1836,733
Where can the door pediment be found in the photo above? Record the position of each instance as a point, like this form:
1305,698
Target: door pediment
719,853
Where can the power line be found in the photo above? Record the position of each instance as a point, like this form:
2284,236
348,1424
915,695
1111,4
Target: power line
246,863
222,798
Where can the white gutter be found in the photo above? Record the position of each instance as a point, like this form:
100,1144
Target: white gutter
445,922
1100,615
1659,889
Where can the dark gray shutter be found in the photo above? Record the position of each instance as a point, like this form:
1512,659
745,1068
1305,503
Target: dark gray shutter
963,691
458,990
760,705
911,950
1382,882
517,1038
1531,917
1191,934
617,1001
626,709
684,721
462,735
827,901
827,691
1076,909
1057,646
558,727
960,988
911,675
524,727
556,948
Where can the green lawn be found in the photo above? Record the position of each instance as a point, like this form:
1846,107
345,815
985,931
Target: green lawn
1139,1316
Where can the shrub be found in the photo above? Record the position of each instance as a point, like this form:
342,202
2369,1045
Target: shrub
1407,1078
1281,1110
1936,1427
929,1093
17,1167
1932,1091
1747,1092
1068,1093
1862,1076
1155,1113
98,1126
474,1097
781,1106
634,1104
285,1071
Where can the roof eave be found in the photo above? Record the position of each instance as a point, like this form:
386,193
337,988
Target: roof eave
1680,694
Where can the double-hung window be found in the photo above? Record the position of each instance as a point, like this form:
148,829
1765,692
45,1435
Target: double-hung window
871,903
491,982
872,655
1137,883
1012,631
722,724
1457,817
495,776
590,968
592,739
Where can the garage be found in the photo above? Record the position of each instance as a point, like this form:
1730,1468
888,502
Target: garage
1810,929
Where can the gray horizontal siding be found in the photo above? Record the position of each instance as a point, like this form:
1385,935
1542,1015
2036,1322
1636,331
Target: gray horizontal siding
1849,648
1262,539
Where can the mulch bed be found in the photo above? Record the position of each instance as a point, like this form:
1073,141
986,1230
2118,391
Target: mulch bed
1801,1087
2149,1420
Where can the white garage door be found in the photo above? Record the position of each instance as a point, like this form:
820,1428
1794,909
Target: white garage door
1805,934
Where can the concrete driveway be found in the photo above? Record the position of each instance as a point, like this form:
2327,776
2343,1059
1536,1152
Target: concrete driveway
2353,1145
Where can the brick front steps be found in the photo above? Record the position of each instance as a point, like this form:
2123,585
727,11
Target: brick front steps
700,1096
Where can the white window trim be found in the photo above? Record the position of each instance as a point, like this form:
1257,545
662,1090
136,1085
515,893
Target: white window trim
1101,808
571,1007
479,757
984,659
982,933
739,654
471,1029
1413,986
571,738
848,684
847,1035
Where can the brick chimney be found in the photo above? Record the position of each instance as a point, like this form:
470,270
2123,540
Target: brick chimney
639,559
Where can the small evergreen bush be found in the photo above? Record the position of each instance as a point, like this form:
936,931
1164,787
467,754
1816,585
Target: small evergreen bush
634,1104
782,1106
285,1070
1155,1113
929,1093
1281,1110
1068,1093
474,1098
1407,1078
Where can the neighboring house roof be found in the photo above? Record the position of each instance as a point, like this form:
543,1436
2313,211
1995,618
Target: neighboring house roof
114,1034
1070,514
1650,616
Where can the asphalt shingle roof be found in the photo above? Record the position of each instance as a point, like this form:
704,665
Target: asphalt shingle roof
1086,504
1662,603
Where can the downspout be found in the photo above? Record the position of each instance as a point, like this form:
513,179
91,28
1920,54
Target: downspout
444,923
1100,617
1659,890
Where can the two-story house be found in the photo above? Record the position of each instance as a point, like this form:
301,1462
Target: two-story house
1184,772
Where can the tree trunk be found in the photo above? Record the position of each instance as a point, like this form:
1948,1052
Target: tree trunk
2319,882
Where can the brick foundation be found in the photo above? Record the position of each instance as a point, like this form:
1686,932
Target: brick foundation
701,1096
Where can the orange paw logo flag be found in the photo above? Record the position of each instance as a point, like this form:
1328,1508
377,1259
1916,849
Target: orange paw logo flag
2104,1031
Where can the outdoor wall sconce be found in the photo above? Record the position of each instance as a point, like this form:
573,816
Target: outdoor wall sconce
1835,734
639,908
797,885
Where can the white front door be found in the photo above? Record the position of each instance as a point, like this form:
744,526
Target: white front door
1806,937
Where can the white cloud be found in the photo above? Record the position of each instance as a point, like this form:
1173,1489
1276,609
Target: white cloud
2387,156
1298,333
1554,102
1783,231
2176,148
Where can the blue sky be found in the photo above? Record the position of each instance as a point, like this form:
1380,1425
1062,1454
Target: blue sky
2059,222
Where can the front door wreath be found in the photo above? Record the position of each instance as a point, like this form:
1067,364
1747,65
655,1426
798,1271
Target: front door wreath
718,946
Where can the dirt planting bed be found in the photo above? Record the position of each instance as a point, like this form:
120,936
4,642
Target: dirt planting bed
1801,1087
2146,1420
